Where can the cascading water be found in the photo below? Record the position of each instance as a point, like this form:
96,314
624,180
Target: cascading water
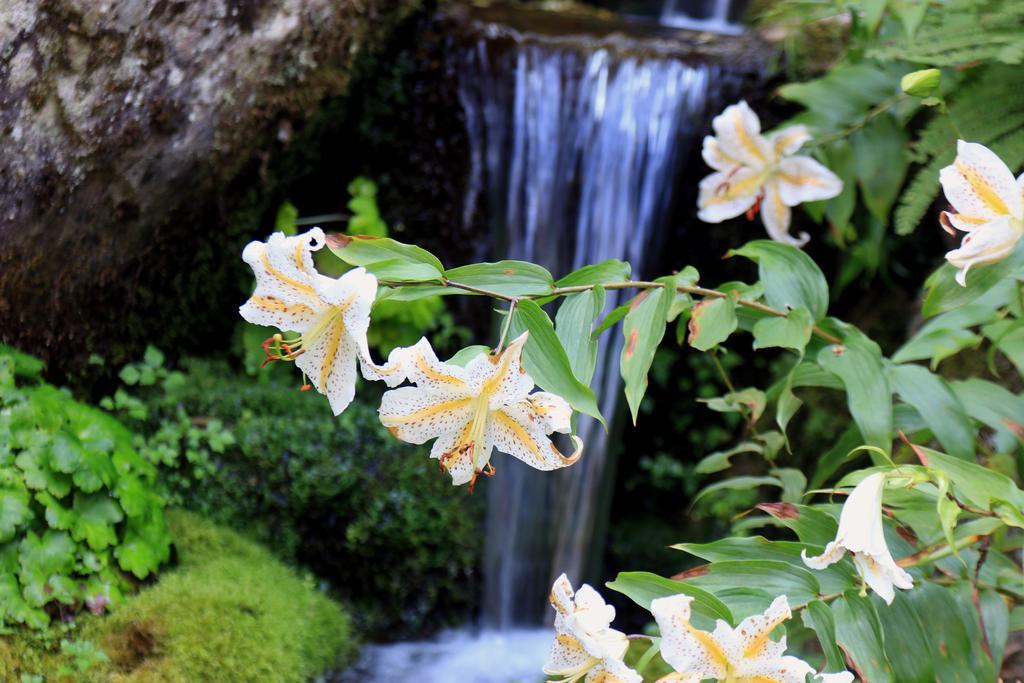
702,15
574,152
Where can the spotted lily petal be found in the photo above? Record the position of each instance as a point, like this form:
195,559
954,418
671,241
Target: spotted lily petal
979,185
802,179
776,215
714,157
789,140
286,296
738,132
727,195
473,409
684,647
988,243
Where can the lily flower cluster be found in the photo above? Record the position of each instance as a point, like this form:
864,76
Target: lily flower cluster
468,411
586,647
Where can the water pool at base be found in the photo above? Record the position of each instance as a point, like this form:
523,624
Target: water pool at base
458,656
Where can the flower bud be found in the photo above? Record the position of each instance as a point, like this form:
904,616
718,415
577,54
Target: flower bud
921,83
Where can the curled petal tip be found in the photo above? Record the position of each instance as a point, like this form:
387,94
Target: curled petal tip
576,454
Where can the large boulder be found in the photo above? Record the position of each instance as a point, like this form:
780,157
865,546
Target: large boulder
132,134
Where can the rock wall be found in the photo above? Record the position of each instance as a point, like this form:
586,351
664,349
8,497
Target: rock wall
132,135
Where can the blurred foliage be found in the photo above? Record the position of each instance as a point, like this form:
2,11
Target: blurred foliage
336,494
78,506
229,611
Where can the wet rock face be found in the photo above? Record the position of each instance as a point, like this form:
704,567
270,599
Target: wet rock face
129,132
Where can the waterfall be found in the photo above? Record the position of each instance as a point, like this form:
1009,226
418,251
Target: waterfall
701,15
575,147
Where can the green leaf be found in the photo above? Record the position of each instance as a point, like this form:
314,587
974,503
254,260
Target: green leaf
859,633
39,475
546,361
995,616
839,159
858,363
994,406
510,278
145,546
746,482
601,273
791,332
57,516
945,335
573,323
818,617
613,317
786,405
66,453
978,486
643,587
790,277
97,515
811,525
939,406
25,366
777,578
749,401
1008,337
836,456
719,460
906,641
834,579
712,321
14,511
463,356
365,250
881,162
945,293
153,357
948,640
643,329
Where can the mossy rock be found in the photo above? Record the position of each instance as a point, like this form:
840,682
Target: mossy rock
229,612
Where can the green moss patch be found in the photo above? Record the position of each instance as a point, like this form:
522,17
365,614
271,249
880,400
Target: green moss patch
229,612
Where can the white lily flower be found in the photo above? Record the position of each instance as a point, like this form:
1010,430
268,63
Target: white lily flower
585,645
861,533
988,204
330,315
756,172
474,409
745,654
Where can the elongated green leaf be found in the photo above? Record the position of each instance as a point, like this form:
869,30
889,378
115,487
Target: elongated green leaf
614,316
811,525
834,579
777,578
881,161
546,361
939,406
995,615
994,406
463,356
945,335
818,617
906,641
979,486
858,363
1008,337
835,456
712,321
791,332
790,278
719,460
643,328
859,634
948,639
364,250
510,278
573,324
945,293
643,587
745,482
612,270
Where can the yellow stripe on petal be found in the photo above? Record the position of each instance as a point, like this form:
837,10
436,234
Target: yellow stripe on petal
291,282
429,411
710,645
332,352
521,435
802,180
299,262
982,189
745,139
424,367
271,304
731,190
756,646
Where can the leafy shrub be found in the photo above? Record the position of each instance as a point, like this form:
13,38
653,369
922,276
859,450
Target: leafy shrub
77,503
338,495
229,612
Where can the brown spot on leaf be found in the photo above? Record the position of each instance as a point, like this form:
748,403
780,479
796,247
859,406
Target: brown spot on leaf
508,271
1016,427
634,335
638,298
838,350
780,510
336,241
921,455
691,573
694,325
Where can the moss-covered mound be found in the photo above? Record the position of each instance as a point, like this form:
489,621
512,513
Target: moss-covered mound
229,612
